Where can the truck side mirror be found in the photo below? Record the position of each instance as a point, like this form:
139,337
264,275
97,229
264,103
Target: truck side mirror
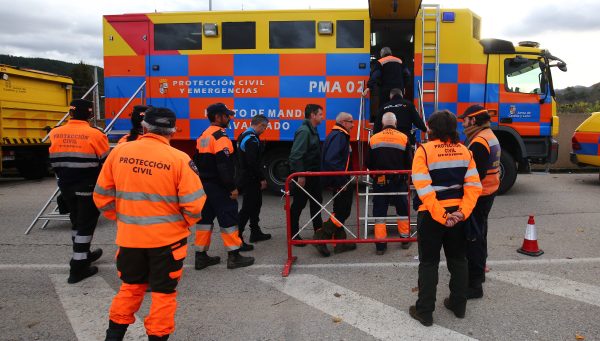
562,66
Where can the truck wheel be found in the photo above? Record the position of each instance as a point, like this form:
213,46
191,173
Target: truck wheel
508,172
276,168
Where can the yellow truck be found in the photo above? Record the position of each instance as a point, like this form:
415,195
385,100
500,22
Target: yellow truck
31,103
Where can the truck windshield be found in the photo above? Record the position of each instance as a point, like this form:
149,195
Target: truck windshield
524,76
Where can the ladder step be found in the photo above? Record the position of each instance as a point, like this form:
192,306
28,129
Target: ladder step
430,48
429,91
431,16
430,31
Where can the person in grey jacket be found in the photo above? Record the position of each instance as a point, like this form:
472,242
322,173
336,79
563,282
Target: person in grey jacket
305,156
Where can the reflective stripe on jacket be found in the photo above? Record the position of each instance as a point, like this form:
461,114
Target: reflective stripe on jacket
152,190
387,150
444,175
77,152
491,181
214,158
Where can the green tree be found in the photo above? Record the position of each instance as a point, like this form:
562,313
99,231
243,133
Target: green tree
83,78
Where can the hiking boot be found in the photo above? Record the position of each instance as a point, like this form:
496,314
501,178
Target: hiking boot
459,314
94,255
158,338
235,260
412,311
322,248
203,260
256,235
115,331
80,274
405,245
246,247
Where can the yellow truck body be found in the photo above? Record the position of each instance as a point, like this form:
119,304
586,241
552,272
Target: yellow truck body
31,103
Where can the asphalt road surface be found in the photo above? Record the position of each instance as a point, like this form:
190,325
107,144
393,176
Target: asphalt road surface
351,296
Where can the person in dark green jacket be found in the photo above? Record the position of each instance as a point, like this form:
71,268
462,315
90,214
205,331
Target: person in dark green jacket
305,156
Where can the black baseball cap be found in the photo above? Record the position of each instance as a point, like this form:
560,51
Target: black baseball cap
219,108
160,117
81,108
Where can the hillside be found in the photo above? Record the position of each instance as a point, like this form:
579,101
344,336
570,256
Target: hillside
579,99
81,73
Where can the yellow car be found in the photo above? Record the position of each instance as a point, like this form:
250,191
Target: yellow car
585,143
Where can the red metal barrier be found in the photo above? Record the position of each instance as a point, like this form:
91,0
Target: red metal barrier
354,174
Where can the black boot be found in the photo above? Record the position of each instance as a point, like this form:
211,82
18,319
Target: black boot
245,247
458,312
115,331
80,270
256,235
94,255
235,260
158,338
203,260
380,248
475,289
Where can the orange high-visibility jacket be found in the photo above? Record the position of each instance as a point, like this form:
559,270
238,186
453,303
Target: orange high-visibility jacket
152,190
77,152
491,180
444,175
387,150
214,158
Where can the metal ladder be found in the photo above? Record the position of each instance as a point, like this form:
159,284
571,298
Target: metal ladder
46,214
430,51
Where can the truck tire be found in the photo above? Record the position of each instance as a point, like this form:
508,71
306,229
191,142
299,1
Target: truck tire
508,172
276,168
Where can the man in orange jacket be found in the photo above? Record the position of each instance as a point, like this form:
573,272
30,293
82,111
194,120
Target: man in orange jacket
486,152
447,184
77,152
153,192
214,159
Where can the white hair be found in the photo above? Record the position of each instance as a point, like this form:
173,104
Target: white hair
342,116
388,119
162,131
385,51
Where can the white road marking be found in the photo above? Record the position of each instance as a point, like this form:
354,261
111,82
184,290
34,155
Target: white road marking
557,261
86,304
577,291
371,316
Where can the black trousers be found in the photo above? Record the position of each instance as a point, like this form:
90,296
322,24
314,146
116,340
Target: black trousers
477,249
342,204
250,206
218,205
432,236
312,186
160,267
84,217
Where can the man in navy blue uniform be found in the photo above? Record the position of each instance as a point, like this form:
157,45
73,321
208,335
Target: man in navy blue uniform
250,179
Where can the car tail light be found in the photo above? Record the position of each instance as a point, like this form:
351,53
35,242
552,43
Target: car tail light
575,144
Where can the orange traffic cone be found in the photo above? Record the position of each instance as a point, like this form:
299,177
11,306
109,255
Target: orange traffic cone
530,244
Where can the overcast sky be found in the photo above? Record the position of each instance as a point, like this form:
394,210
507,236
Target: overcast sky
72,30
